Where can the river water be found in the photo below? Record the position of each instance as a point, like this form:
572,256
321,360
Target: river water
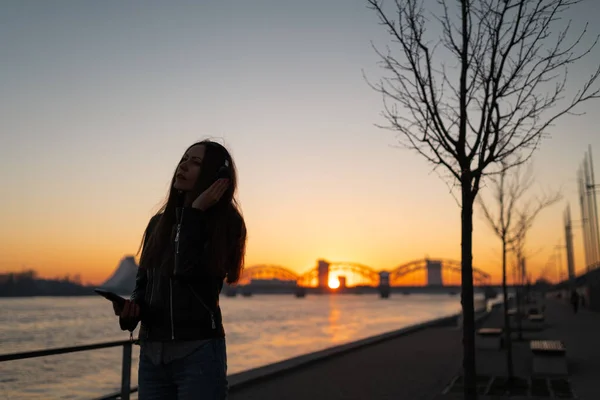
260,330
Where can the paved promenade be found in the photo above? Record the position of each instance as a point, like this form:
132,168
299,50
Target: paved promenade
420,365
581,334
416,366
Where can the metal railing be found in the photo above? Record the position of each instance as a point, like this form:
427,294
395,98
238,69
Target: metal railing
126,388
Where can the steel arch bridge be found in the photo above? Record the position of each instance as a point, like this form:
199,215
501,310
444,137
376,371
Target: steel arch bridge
417,272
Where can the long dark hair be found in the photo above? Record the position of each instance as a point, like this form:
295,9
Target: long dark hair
225,223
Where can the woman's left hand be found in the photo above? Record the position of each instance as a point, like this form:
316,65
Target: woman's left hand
212,195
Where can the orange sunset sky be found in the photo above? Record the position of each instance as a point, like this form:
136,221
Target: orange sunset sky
102,98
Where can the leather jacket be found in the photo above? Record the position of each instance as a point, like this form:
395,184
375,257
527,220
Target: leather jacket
183,305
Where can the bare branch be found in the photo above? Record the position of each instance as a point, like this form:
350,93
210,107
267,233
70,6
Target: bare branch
514,216
508,84
526,216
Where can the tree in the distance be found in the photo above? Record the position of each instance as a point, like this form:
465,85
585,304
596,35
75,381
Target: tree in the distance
514,215
526,216
509,59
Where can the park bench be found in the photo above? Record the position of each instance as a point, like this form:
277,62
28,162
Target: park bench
549,357
515,313
536,317
489,338
533,310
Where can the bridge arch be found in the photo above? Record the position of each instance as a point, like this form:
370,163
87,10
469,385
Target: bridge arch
447,267
356,273
267,271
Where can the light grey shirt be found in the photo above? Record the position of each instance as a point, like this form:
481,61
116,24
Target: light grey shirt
166,352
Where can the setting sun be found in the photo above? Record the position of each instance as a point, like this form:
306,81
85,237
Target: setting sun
334,282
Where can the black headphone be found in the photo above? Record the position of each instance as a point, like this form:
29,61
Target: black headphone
224,172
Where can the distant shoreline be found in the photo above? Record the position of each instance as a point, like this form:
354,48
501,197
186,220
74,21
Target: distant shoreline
73,292
26,284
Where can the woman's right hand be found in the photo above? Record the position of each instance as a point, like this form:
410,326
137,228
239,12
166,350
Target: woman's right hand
130,312
212,195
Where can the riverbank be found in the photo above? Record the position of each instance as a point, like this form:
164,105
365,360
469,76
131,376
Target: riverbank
411,363
247,378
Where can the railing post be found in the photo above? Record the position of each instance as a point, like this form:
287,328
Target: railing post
126,372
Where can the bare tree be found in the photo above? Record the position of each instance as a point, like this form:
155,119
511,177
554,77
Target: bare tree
525,219
506,195
510,59
519,269
510,223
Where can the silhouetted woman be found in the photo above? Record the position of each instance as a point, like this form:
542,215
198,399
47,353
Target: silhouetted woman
190,247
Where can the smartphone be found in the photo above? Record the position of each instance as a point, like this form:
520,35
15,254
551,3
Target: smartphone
111,296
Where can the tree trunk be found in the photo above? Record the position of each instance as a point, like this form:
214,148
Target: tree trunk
520,301
470,378
507,330
519,311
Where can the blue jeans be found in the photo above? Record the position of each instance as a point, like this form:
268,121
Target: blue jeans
202,375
